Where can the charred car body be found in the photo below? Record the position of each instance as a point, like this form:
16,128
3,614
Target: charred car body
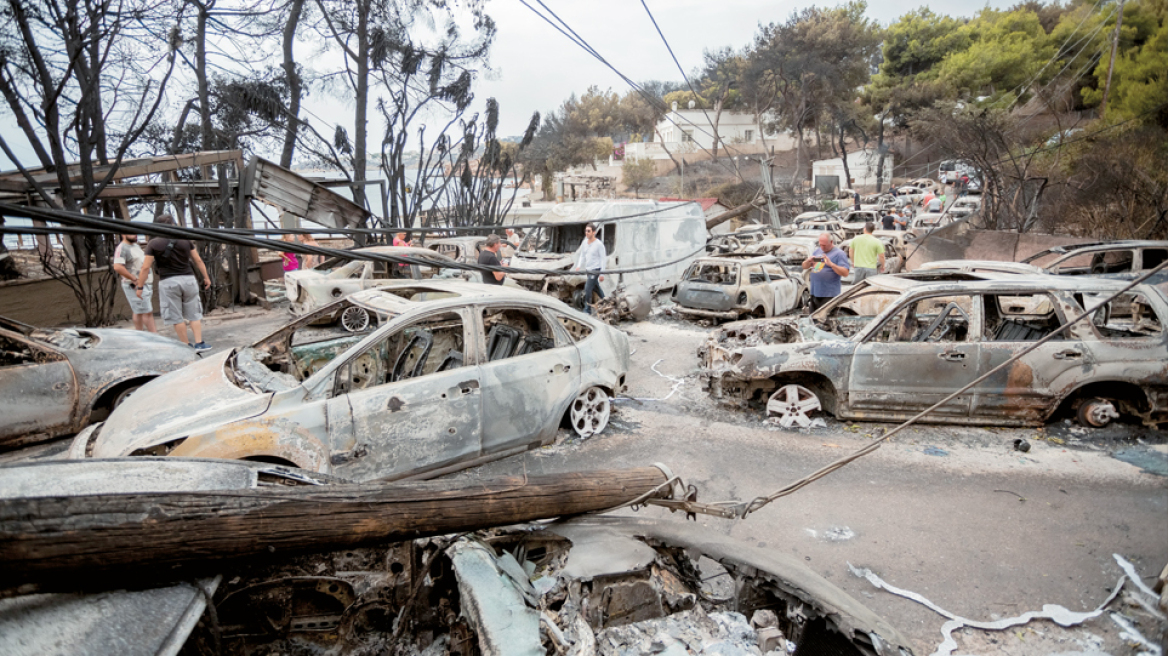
737,285
413,378
309,289
54,382
664,237
893,346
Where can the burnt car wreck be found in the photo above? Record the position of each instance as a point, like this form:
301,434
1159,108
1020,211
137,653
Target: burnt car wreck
892,347
409,379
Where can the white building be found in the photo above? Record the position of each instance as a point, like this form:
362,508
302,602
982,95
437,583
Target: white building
828,174
692,130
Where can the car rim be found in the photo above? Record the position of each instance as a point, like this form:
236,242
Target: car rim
792,405
1097,413
355,319
124,394
590,412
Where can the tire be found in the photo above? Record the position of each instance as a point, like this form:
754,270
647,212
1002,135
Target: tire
793,405
123,395
805,301
1096,413
590,411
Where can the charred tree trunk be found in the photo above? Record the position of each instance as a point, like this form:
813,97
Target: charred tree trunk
54,542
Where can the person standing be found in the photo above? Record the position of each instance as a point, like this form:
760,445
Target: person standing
513,238
399,239
828,265
867,253
489,256
178,291
888,221
856,200
309,261
128,258
291,262
591,260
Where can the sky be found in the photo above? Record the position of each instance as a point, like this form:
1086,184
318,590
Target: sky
535,68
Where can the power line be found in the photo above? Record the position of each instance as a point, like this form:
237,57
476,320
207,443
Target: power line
578,40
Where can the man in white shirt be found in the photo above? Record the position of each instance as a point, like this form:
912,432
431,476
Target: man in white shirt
128,258
591,260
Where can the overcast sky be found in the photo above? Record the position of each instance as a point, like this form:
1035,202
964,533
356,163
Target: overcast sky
535,68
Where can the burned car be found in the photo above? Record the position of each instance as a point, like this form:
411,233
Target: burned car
55,382
309,289
741,239
895,251
1123,260
852,222
412,379
467,250
736,285
893,346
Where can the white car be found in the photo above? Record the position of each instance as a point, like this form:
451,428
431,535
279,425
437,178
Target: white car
309,289
413,379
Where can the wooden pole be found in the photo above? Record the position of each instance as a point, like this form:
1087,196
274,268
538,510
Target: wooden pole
1111,64
57,542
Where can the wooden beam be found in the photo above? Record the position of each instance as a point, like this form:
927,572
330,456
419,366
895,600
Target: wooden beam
293,193
55,541
729,214
135,167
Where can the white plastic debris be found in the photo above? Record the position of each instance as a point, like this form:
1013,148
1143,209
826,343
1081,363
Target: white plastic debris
1057,614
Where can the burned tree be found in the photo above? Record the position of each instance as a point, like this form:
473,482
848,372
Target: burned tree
82,80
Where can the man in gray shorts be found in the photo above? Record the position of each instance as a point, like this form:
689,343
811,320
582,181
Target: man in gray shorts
178,292
128,258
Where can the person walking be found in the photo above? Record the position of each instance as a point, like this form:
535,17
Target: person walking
128,259
489,256
828,265
178,291
867,253
888,221
591,260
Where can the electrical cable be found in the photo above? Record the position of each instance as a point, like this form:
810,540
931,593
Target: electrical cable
117,226
653,101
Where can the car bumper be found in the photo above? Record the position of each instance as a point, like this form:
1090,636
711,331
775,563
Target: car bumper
709,314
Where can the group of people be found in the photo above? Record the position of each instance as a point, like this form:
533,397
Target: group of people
590,259
178,290
829,264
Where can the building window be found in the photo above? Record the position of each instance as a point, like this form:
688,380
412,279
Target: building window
748,136
686,135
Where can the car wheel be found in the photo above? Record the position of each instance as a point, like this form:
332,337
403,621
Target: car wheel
123,395
792,405
589,412
1096,413
354,319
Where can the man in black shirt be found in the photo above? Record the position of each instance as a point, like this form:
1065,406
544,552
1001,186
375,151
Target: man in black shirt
888,221
490,257
178,292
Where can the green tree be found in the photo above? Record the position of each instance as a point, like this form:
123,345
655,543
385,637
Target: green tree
1139,83
1007,52
636,173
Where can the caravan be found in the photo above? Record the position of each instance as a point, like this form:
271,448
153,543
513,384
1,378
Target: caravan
665,236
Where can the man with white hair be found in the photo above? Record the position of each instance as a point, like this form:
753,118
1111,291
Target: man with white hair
828,265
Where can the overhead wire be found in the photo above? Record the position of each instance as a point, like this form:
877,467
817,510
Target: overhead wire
652,100
222,236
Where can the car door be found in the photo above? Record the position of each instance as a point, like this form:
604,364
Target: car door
920,354
529,374
38,389
785,290
409,401
1026,390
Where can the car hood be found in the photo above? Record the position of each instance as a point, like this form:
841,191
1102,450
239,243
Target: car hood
544,261
739,336
120,355
185,402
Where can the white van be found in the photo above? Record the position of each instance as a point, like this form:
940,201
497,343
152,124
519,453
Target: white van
636,233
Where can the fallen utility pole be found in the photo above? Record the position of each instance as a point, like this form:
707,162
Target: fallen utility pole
730,214
59,543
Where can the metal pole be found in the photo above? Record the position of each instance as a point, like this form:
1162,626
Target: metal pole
764,170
